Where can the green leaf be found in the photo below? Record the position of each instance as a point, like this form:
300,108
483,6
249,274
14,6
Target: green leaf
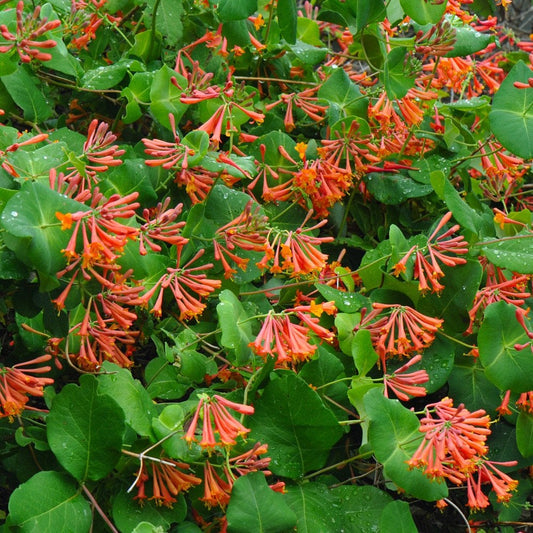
236,9
460,286
308,31
394,189
137,94
164,380
511,117
85,430
368,12
299,429
397,517
466,216
524,433
235,326
33,231
105,77
165,97
361,508
130,395
347,302
469,41
308,54
468,384
147,527
315,507
394,437
287,18
363,353
505,366
47,503
254,506
168,21
394,75
424,11
22,88
514,253
343,97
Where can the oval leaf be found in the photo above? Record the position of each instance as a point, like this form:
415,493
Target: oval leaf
47,503
511,118
505,366
299,429
85,430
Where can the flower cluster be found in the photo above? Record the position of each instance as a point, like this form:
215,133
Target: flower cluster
18,382
402,331
427,270
26,39
454,448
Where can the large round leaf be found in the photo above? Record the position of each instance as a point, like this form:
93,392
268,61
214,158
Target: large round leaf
298,428
85,430
511,118
33,230
47,503
505,366
394,437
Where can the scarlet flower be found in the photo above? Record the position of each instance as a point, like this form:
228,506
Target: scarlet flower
197,182
160,226
486,472
216,418
297,250
350,147
216,491
170,155
403,332
512,291
29,29
406,385
453,441
246,231
430,271
17,383
168,480
184,284
97,148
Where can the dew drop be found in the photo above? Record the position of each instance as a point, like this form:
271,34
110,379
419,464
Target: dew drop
14,214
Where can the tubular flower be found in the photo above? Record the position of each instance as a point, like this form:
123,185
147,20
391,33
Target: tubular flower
427,268
349,150
169,155
219,427
287,342
297,251
323,183
216,491
160,226
247,232
17,383
454,440
197,181
304,100
512,291
486,472
402,332
29,29
99,150
103,237
168,480
521,318
406,385
281,192
5,164
503,172
186,286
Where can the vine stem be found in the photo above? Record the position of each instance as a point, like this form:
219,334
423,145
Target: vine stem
341,464
99,509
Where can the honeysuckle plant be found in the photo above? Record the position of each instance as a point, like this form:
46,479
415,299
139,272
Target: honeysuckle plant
265,266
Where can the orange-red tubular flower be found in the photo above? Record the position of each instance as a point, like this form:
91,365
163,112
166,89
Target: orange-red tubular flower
219,427
18,382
